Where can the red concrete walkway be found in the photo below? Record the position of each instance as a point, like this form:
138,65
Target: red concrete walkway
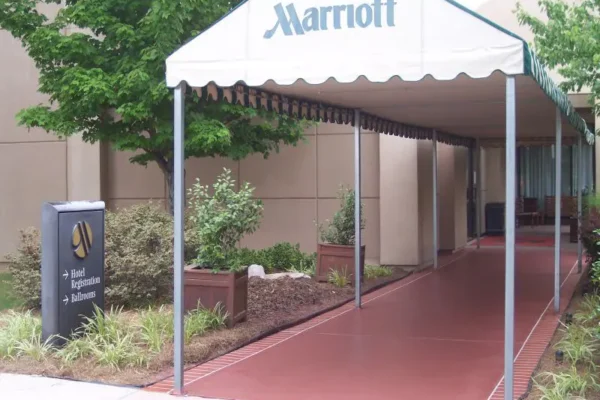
436,335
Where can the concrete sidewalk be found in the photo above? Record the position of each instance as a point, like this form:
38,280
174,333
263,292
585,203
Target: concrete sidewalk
25,387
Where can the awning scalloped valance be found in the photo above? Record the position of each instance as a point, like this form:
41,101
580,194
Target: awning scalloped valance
320,112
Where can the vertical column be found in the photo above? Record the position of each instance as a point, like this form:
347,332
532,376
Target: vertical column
435,202
178,149
357,216
557,205
579,203
478,193
509,296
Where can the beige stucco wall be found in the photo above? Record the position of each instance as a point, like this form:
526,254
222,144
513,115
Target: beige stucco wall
298,185
461,183
399,191
425,202
446,197
33,164
36,166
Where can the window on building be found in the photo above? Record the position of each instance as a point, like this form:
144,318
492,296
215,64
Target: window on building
537,171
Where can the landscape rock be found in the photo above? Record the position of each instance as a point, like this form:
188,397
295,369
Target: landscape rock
257,271
293,275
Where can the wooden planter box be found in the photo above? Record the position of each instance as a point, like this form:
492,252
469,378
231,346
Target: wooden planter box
337,258
209,288
573,230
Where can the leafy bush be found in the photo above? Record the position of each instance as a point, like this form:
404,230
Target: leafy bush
223,219
25,267
340,230
139,254
281,257
377,271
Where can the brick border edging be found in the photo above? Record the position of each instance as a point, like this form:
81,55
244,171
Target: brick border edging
205,369
530,355
277,335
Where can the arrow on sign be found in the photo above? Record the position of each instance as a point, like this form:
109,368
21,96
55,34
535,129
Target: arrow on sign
66,275
66,300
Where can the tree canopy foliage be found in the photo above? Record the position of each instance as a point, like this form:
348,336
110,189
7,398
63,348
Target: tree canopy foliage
567,39
102,64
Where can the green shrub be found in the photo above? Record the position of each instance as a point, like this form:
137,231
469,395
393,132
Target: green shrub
281,257
25,267
222,219
340,230
139,254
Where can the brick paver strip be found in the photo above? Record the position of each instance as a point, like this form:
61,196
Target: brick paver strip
210,367
536,344
525,365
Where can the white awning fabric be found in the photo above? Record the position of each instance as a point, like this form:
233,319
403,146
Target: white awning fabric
361,54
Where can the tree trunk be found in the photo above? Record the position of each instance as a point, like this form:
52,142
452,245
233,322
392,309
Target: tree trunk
170,180
169,172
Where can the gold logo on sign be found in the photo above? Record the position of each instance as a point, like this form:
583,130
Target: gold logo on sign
82,239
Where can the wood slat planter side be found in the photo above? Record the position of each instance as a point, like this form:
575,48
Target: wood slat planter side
337,258
228,288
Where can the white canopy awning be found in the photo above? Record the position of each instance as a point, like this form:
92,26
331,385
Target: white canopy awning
386,58
425,69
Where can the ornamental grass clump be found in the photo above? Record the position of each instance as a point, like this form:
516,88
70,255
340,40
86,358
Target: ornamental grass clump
222,217
20,335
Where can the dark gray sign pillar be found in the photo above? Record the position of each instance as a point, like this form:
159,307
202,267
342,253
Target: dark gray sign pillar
72,265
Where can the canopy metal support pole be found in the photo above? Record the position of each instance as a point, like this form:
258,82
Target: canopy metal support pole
579,204
178,197
557,207
509,296
357,216
435,202
478,191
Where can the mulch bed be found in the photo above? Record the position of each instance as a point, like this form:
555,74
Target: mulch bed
272,305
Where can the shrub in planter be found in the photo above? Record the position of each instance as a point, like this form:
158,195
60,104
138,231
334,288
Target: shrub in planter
281,257
222,219
336,252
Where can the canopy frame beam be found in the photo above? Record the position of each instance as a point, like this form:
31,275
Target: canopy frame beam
509,296
435,202
357,211
579,203
178,204
557,209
